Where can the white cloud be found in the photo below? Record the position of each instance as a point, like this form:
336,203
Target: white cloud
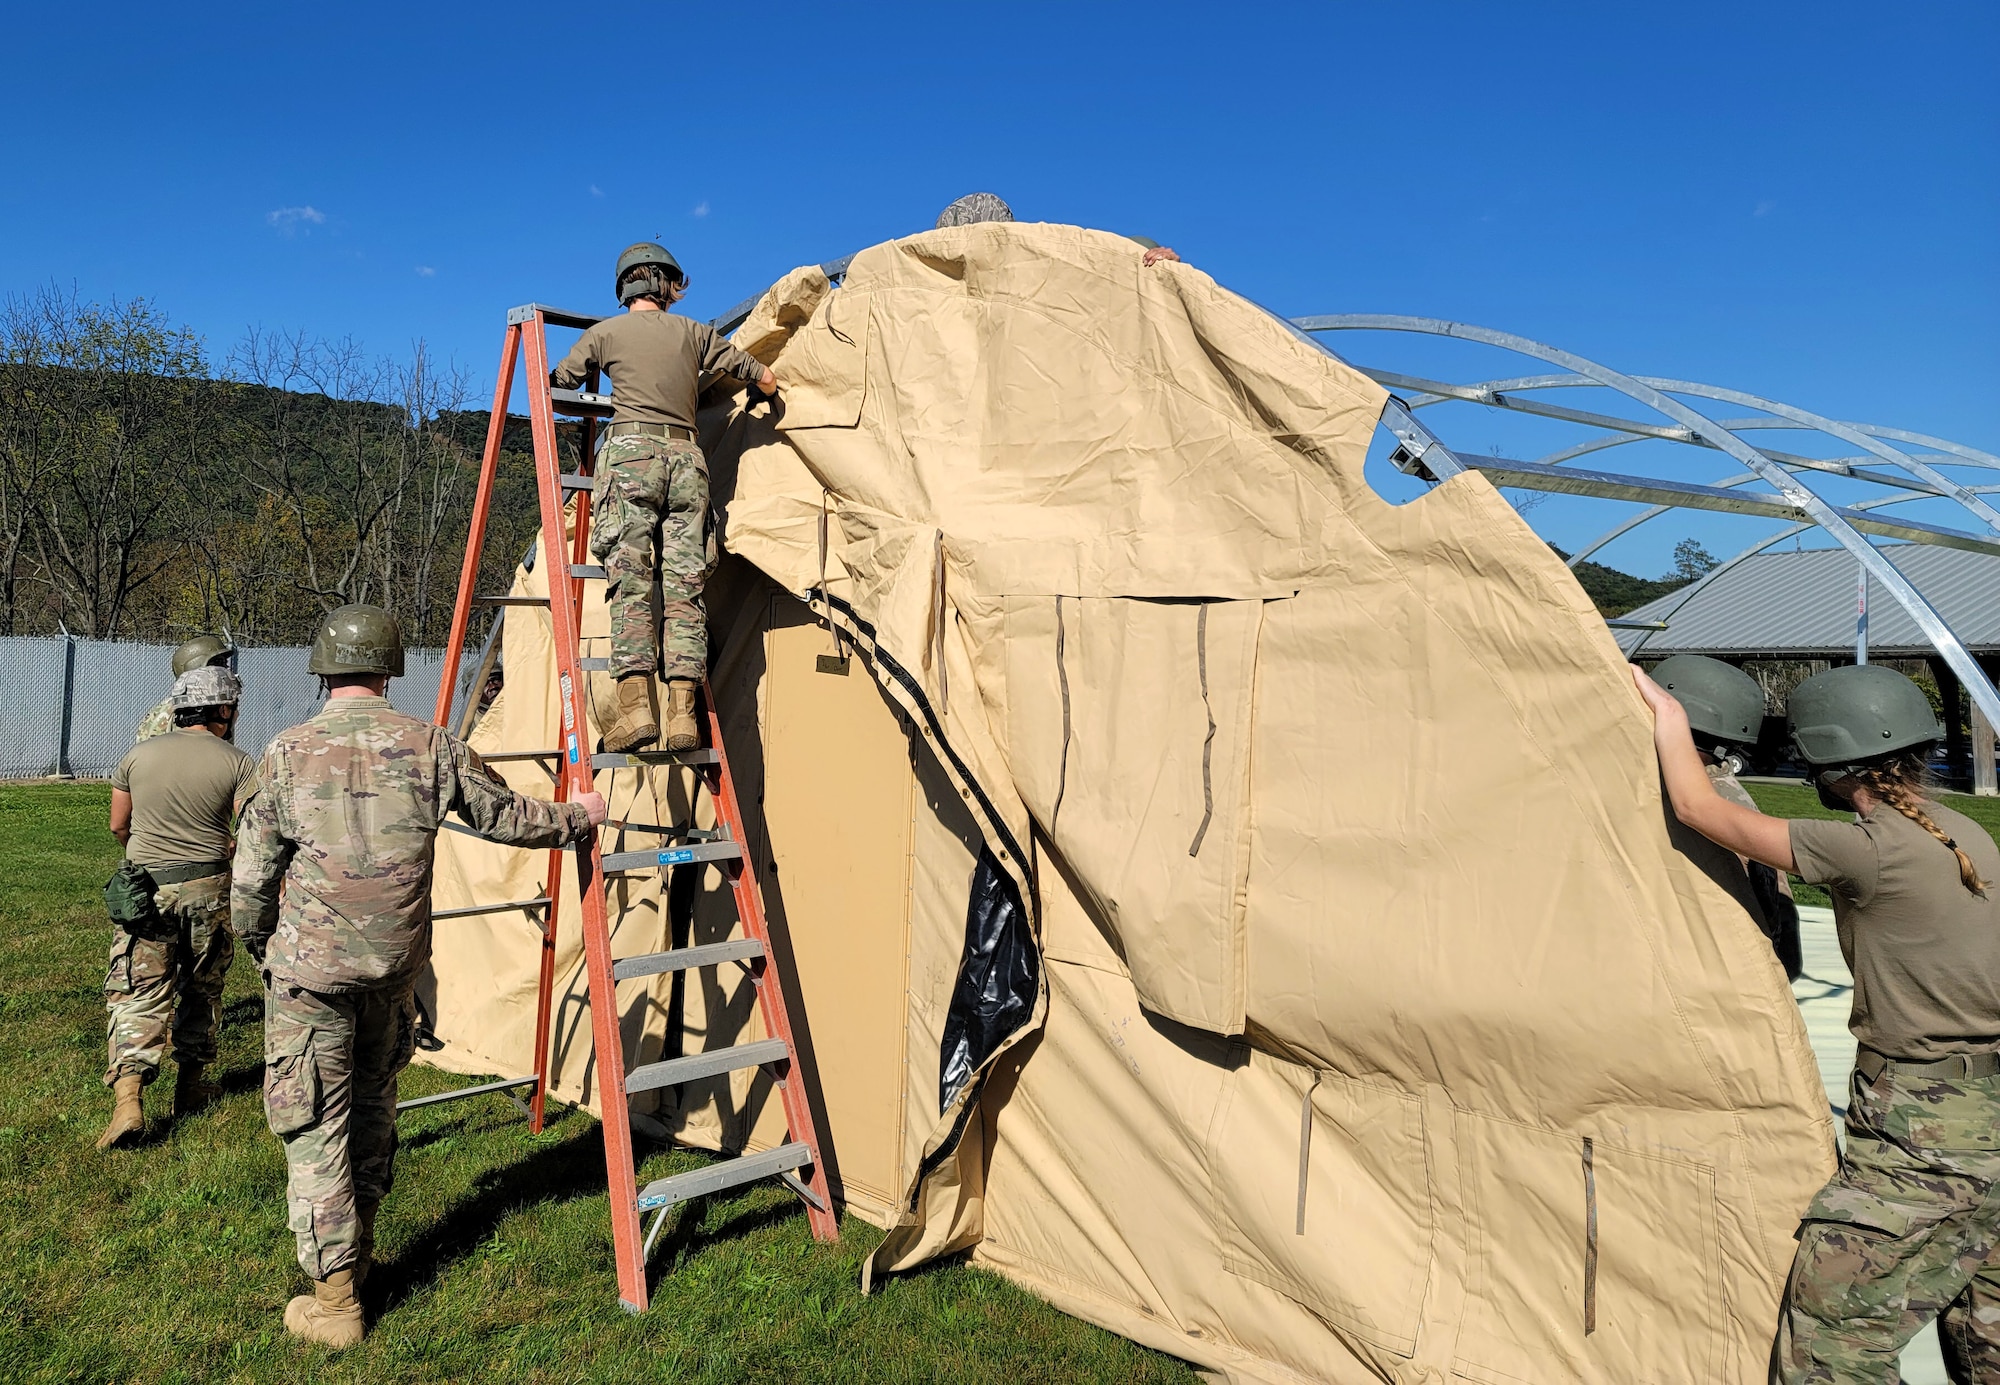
596,191
1765,209
426,272
701,209
290,219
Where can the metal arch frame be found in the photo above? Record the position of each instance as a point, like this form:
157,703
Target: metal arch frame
1694,426
1688,593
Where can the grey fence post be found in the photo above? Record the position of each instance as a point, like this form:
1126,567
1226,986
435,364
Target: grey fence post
68,706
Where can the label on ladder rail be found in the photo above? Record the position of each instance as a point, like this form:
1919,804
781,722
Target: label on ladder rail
678,856
569,718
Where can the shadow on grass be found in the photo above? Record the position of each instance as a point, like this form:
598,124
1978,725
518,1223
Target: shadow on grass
686,1235
553,1173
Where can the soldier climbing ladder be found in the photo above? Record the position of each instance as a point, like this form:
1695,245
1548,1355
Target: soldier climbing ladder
797,1160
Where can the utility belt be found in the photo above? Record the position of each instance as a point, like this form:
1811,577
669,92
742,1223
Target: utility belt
672,431
180,875
1872,1065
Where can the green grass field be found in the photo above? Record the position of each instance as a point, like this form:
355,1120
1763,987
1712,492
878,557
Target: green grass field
171,1262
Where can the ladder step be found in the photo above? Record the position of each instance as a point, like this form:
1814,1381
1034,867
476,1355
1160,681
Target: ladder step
580,404
555,317
500,757
633,758
683,1187
510,600
672,856
463,1092
696,1066
538,902
573,482
687,958
587,571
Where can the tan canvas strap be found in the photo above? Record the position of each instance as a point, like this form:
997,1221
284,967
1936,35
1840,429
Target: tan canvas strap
650,430
1872,1065
180,875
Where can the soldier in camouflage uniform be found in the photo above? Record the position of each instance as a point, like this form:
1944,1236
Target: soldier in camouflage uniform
1909,1229
652,490
173,798
1725,710
209,650
332,897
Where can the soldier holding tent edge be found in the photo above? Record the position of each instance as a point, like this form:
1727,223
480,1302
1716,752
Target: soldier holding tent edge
652,484
332,898
1909,1228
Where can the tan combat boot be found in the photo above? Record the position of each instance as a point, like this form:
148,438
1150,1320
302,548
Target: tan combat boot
636,726
191,1093
683,732
128,1116
330,1314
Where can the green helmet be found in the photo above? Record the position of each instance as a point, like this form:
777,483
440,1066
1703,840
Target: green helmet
358,639
1852,715
200,652
662,271
1723,703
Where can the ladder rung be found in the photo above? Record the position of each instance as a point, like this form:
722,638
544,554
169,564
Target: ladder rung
588,571
631,758
687,958
580,403
464,1092
682,1187
672,856
696,1066
573,482
684,832
555,317
538,902
510,600
594,664
499,757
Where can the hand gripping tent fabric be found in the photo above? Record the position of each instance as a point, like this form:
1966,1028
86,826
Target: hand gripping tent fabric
1237,909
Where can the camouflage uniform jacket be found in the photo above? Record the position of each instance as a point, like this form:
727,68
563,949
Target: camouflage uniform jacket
333,853
157,722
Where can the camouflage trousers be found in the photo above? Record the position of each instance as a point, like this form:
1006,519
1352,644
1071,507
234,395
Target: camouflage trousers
652,493
166,983
1907,1231
330,1067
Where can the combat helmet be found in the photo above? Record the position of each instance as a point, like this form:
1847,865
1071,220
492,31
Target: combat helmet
1848,717
1723,703
660,272
207,686
200,651
358,639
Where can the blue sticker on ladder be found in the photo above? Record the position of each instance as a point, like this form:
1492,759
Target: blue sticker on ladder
679,856
572,749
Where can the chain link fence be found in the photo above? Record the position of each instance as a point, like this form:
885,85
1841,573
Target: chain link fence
71,707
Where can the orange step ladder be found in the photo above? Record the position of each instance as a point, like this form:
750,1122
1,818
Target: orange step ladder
797,1160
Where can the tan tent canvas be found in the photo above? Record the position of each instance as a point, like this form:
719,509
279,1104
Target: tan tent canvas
1238,909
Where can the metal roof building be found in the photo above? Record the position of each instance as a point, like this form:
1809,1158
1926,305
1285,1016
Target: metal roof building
1807,605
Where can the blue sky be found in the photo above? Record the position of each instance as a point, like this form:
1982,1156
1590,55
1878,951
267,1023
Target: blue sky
1802,201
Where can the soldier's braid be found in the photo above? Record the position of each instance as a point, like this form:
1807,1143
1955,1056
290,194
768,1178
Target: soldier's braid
1896,784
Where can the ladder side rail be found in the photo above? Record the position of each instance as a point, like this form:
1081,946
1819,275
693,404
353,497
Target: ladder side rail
545,981
769,985
607,1037
475,540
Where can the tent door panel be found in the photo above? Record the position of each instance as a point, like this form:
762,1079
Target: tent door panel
838,799
1128,734
1364,1259
1657,1300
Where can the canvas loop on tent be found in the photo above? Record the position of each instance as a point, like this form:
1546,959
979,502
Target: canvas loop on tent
670,839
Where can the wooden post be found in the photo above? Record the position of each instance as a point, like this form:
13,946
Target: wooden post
1985,780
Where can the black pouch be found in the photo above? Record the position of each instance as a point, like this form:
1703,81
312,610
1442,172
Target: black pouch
128,898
